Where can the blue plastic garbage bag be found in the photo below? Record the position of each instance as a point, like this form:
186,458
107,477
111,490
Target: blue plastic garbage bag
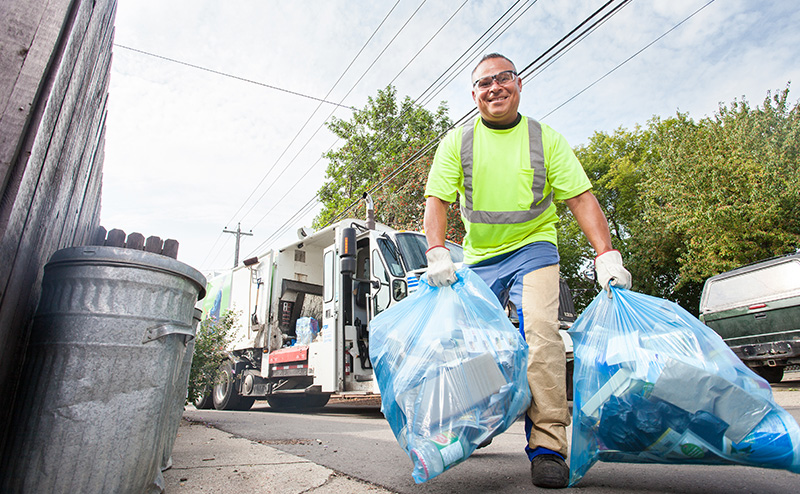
306,329
452,371
653,384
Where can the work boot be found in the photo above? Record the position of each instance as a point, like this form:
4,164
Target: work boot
550,471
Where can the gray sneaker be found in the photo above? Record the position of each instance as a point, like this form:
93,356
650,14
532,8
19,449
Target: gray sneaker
549,471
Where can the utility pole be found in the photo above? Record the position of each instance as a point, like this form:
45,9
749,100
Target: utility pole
239,233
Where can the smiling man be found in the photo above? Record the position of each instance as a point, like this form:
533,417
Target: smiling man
507,170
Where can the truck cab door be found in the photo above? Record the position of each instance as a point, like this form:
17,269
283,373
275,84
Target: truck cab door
324,355
380,289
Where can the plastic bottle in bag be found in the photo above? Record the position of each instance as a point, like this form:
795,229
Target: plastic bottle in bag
433,456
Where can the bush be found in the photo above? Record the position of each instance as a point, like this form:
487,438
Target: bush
213,336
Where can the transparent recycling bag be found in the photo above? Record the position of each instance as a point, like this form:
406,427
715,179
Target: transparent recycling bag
451,370
653,384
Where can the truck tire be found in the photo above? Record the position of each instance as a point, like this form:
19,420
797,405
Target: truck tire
771,374
297,401
204,401
225,395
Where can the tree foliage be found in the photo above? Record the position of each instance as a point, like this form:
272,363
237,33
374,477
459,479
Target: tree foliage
210,342
687,200
379,139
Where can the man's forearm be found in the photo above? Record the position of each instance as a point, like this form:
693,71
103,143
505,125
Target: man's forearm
592,221
435,221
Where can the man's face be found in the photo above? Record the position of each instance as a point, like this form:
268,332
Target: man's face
499,103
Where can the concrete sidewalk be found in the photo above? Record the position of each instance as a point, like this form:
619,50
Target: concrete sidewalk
207,460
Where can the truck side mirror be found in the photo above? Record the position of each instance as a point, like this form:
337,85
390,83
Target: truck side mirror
347,253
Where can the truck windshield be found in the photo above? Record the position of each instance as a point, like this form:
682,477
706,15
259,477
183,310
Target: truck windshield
413,247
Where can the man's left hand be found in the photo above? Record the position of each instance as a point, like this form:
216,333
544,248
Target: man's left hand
610,270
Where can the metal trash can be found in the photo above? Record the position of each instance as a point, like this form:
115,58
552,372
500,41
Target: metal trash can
177,398
108,340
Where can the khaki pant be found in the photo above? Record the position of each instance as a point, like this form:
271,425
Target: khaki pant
546,362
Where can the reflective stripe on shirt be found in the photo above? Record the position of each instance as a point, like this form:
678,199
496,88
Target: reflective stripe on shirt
539,179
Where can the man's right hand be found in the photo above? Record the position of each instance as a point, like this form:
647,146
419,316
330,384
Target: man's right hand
441,270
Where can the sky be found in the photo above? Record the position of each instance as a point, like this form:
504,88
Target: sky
217,109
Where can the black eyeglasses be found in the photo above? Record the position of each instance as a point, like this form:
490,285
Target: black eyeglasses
502,78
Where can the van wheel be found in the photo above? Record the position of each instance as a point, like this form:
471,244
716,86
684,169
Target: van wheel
224,394
297,401
771,374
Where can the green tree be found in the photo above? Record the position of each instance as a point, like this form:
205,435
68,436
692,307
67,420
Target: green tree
379,139
400,202
210,342
614,163
687,200
724,191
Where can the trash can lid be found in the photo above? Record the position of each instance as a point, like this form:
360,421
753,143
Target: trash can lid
119,256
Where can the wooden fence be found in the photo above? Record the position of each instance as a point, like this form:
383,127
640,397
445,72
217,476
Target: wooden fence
55,58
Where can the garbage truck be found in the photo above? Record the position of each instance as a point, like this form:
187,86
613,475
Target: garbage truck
303,333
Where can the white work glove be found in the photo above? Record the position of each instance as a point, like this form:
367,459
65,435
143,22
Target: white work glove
441,270
610,271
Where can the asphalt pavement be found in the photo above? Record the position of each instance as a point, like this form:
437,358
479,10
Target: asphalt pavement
208,460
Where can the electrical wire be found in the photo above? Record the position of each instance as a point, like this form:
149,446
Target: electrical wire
537,65
299,132
567,40
488,36
345,96
626,60
226,74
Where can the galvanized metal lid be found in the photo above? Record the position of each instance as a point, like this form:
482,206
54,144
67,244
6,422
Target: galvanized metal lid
118,256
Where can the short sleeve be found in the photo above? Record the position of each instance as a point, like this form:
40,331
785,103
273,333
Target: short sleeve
564,172
446,177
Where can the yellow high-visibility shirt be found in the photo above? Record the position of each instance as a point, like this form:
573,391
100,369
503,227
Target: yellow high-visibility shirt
502,185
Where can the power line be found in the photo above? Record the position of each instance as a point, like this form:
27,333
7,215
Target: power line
347,94
543,61
627,60
505,21
288,146
545,64
567,40
231,76
503,26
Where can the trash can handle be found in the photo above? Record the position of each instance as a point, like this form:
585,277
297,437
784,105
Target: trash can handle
161,330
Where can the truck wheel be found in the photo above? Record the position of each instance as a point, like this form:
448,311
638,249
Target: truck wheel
297,401
204,401
771,374
224,395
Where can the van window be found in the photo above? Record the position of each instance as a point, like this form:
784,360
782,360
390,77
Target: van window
760,285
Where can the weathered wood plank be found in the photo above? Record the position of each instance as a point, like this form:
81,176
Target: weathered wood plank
115,238
24,226
48,159
28,54
135,241
90,107
170,248
89,217
153,244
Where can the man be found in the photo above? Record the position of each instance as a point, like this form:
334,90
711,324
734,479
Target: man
507,170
